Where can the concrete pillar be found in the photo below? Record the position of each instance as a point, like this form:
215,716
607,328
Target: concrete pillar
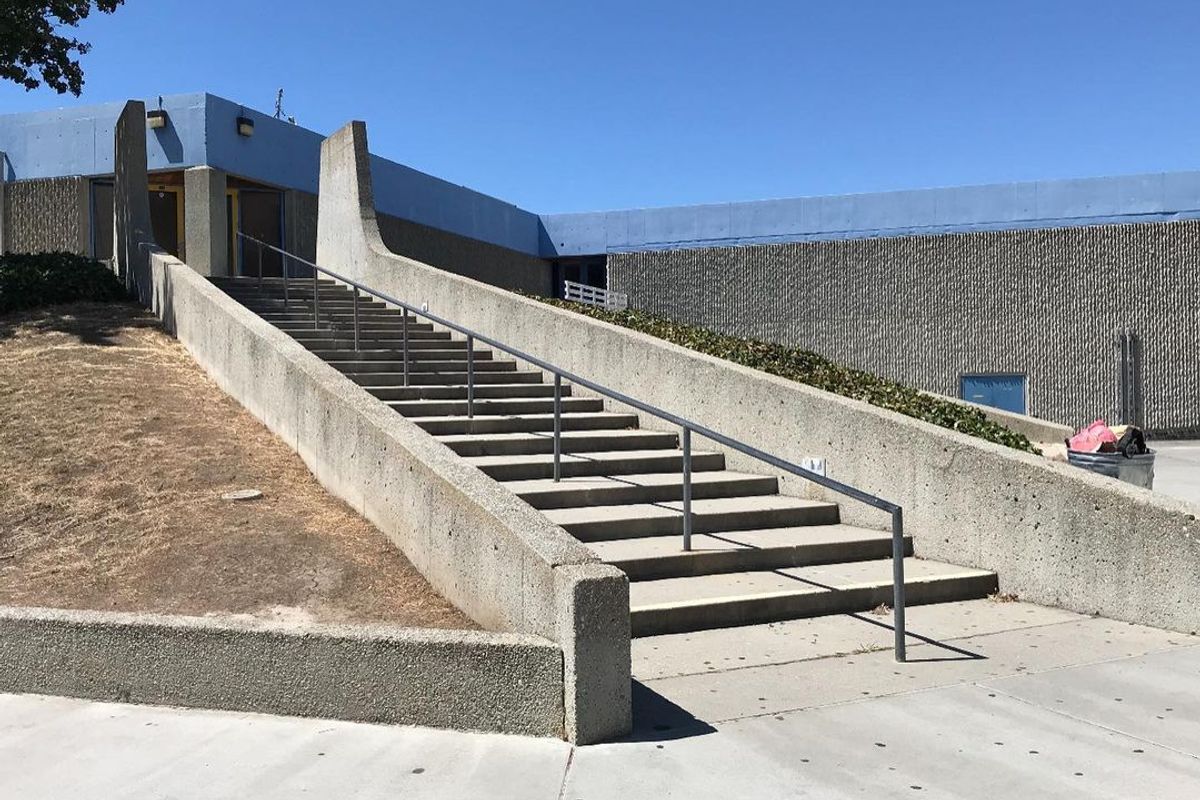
206,228
133,235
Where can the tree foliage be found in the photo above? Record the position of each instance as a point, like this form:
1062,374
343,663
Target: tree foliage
32,47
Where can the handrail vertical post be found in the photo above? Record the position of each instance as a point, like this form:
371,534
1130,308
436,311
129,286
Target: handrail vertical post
404,345
260,282
356,319
898,581
316,301
557,427
687,488
283,264
470,376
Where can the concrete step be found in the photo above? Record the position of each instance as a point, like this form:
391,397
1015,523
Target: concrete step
677,605
536,443
496,407
655,557
341,342
374,320
499,390
359,366
302,291
307,334
459,378
414,354
638,520
228,282
327,306
599,420
613,462
390,329
333,307
339,302
546,493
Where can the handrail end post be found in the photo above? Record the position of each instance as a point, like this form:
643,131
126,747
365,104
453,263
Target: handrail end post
898,584
557,427
687,489
470,377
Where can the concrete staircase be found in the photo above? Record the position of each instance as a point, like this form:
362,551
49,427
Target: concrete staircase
758,556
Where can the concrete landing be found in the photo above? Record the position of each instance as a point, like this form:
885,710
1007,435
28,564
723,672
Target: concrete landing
1000,700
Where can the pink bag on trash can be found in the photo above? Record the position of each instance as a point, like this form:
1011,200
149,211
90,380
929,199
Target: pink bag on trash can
1092,438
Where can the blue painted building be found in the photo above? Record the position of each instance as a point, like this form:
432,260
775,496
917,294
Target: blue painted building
202,130
58,163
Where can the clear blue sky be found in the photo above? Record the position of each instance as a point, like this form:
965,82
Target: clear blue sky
569,106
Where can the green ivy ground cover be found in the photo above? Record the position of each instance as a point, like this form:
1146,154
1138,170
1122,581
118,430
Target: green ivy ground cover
43,279
804,366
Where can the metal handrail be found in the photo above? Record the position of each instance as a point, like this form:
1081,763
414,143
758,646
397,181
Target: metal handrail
687,426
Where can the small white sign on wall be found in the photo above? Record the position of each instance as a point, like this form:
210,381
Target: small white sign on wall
816,465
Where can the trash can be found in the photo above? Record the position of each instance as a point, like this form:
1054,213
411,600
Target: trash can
1136,469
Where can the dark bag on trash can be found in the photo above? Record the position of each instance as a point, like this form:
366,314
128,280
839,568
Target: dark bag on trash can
1132,442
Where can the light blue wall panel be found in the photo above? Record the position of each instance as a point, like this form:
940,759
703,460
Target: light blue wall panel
79,140
1041,204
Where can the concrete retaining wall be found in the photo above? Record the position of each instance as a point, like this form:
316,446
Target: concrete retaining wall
1056,535
925,310
448,679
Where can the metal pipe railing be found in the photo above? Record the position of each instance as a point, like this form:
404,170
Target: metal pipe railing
687,426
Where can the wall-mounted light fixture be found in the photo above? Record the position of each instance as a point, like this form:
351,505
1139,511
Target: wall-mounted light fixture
245,126
156,119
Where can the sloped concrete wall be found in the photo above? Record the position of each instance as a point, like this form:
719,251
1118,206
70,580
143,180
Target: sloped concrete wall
496,558
1056,534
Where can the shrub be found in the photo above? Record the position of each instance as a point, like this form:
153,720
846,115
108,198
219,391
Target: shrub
42,279
813,369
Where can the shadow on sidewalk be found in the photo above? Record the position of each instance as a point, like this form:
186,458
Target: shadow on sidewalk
657,719
952,653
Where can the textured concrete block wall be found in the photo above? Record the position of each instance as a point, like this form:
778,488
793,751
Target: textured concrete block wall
926,309
47,214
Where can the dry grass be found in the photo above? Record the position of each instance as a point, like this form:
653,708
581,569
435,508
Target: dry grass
115,449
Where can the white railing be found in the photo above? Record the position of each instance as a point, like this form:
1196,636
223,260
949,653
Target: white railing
590,295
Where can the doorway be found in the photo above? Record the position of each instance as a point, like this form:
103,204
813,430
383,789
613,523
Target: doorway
166,218
257,213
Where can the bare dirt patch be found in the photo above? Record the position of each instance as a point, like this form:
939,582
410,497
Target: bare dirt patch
115,449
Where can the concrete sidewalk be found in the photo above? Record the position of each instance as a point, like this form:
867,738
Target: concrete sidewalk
1177,469
1002,700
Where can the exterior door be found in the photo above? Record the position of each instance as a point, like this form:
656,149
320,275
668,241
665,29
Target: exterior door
260,215
166,218
1006,392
